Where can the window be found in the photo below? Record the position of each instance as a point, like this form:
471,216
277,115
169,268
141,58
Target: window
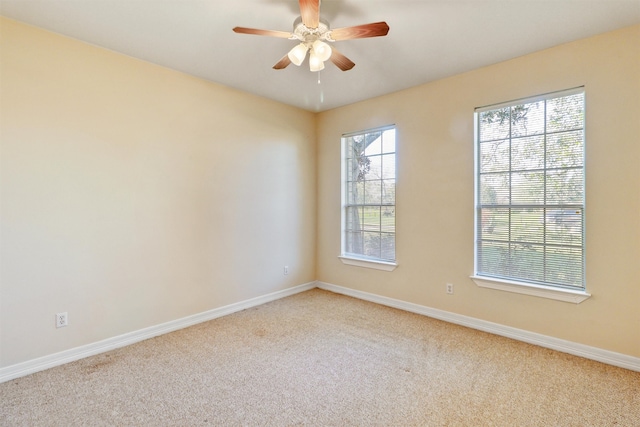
369,196
530,191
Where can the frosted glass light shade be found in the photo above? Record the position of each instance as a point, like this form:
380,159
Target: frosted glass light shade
315,63
297,54
322,50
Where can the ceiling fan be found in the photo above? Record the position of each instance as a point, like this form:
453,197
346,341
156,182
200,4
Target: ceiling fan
313,33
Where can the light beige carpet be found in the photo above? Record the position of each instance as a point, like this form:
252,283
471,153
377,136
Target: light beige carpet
319,358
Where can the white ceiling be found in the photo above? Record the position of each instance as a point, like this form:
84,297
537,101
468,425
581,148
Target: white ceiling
428,39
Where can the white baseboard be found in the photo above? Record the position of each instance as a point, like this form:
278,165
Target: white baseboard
588,352
57,359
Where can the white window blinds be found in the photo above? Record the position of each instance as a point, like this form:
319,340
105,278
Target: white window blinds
530,190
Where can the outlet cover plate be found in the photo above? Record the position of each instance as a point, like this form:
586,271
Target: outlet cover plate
62,319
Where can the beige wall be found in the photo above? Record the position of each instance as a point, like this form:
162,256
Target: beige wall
435,191
132,195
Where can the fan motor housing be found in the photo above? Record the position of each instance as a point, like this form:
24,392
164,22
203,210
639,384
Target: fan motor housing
306,34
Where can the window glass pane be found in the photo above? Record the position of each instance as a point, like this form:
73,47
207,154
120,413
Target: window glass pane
527,119
355,193
372,168
388,166
388,219
565,149
389,141
350,173
564,266
527,153
495,124
494,156
354,242
372,244
527,225
493,259
388,246
527,262
361,167
371,218
564,226
349,151
353,218
373,143
565,186
527,188
565,113
494,224
494,189
389,192
373,191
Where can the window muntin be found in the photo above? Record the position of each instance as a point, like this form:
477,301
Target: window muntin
530,190
369,189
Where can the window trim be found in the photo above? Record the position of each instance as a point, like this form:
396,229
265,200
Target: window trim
542,291
512,285
354,259
373,263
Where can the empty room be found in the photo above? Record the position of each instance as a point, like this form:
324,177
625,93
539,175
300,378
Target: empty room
347,212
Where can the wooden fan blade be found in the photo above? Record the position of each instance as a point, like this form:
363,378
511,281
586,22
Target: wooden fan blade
310,13
341,61
375,29
270,33
283,63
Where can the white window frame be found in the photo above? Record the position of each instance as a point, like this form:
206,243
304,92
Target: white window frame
354,259
510,284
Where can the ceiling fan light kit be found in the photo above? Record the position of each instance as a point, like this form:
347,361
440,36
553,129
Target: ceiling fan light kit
313,34
298,53
322,50
315,63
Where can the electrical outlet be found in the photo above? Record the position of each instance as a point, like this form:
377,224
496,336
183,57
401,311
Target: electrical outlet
62,319
449,288
286,270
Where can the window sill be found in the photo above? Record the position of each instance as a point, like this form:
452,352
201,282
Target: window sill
368,263
566,295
